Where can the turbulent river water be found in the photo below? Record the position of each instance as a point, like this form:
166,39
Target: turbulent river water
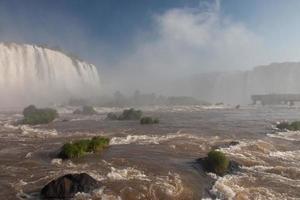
157,161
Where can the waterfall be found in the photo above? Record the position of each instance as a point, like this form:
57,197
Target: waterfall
237,87
31,74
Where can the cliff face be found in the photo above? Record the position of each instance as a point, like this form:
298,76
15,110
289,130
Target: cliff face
237,87
32,74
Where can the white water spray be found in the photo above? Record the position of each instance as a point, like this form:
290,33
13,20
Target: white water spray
31,74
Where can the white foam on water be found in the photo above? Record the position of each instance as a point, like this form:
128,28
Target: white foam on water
287,155
170,185
8,125
31,131
28,155
220,187
263,171
288,135
148,139
96,194
28,130
104,110
126,174
56,161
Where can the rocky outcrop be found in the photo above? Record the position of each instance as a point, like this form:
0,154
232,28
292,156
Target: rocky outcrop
68,185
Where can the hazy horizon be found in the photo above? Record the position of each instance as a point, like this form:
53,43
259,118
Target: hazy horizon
159,46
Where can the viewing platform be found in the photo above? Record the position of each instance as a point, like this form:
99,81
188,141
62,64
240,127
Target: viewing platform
271,99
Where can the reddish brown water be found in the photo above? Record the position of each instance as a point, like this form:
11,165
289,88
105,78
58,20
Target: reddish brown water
157,161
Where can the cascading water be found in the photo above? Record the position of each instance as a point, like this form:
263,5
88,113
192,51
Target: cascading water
32,74
236,87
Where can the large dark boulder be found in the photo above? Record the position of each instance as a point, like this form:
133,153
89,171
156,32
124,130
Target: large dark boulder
68,185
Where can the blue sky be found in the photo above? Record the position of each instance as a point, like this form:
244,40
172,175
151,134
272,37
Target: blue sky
110,32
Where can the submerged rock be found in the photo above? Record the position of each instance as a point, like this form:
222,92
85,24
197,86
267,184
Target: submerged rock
68,185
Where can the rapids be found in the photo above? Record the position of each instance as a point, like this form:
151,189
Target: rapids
157,161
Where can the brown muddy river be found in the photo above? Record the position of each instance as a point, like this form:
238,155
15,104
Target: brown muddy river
157,161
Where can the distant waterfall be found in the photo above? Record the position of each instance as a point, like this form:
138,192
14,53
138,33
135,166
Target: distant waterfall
31,74
237,87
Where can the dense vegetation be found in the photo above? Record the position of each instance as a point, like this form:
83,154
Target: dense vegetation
127,114
33,115
216,162
112,116
85,110
294,126
81,147
131,114
149,120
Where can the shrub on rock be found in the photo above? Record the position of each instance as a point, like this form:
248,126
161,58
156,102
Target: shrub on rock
81,147
97,144
130,114
112,116
149,120
33,115
294,126
216,162
283,125
85,110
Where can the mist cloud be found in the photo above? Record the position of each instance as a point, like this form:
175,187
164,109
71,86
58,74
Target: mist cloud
189,41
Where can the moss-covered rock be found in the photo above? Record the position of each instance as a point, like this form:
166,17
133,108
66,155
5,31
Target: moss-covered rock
85,110
33,115
79,148
112,116
294,126
283,125
149,120
127,114
130,114
216,162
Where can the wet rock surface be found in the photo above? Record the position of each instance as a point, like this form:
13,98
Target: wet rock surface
68,185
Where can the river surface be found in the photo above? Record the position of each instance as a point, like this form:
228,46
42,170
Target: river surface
157,161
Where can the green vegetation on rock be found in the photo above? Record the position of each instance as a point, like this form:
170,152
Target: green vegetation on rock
33,115
216,162
112,116
79,148
149,120
127,114
85,110
130,114
294,126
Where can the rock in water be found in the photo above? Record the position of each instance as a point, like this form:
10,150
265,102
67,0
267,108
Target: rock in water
68,185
